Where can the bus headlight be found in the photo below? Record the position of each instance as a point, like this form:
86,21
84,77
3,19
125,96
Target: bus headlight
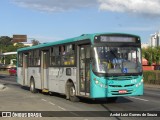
142,80
136,85
96,81
100,83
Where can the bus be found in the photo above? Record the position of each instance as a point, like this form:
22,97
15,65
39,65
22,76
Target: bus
99,65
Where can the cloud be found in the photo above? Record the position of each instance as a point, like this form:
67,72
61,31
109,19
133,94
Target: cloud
141,7
145,7
55,5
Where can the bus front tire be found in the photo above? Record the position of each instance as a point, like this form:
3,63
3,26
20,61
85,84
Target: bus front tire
32,86
72,93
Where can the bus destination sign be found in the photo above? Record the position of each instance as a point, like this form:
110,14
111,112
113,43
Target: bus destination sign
117,39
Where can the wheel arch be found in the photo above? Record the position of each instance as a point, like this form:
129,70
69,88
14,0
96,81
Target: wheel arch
31,78
33,85
68,82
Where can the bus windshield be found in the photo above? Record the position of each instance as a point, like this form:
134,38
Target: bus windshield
117,60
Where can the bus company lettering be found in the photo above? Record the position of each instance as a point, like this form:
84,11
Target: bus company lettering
152,114
27,114
134,115
118,114
34,115
115,114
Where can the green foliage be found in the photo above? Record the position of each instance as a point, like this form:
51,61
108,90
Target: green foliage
152,54
6,45
149,75
5,41
35,42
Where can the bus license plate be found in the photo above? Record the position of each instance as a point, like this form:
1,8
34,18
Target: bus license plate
122,91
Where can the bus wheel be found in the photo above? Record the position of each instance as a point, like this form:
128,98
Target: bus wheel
112,99
32,86
72,93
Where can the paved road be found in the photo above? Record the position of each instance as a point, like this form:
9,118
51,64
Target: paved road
17,98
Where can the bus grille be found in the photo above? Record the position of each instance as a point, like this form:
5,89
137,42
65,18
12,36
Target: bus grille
115,86
118,86
129,85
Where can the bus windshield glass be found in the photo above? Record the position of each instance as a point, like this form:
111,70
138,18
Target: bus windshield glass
119,60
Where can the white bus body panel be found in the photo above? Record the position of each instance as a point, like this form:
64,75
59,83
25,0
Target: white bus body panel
20,75
55,81
58,79
45,78
26,83
35,73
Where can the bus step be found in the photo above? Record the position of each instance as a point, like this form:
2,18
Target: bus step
45,90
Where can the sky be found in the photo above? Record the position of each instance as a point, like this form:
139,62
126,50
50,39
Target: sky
52,20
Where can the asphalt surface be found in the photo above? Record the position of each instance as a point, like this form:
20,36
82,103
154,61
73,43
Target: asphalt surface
17,98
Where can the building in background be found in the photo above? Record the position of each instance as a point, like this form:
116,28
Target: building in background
155,40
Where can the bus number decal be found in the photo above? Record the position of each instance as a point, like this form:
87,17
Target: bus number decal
133,81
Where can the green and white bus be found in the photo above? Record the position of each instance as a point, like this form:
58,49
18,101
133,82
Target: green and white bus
101,65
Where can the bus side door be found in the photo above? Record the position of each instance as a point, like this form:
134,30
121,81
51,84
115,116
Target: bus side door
25,69
44,69
84,69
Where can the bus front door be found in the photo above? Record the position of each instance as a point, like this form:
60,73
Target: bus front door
44,70
25,69
84,70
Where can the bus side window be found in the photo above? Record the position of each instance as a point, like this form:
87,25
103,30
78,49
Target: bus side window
68,55
55,55
31,58
63,53
72,53
63,50
37,58
58,55
20,59
52,56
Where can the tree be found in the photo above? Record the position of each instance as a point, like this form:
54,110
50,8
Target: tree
156,55
5,41
35,42
6,45
152,54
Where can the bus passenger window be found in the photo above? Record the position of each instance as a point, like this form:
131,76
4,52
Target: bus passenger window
52,56
37,58
55,56
63,50
20,59
69,55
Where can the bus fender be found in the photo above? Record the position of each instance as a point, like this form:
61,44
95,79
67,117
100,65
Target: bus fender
32,85
69,81
71,91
